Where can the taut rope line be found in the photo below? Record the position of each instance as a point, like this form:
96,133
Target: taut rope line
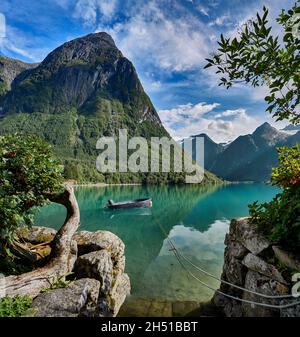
179,256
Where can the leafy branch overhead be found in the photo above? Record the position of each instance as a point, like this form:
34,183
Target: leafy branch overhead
259,58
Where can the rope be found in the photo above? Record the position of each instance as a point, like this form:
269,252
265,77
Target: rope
179,256
234,285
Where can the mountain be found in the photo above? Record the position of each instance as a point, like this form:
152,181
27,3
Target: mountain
9,70
84,73
81,91
250,157
291,129
212,149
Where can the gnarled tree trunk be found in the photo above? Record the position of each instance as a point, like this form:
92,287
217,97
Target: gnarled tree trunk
63,254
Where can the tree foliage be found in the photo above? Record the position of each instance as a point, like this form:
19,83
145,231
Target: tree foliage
28,174
287,173
280,218
257,57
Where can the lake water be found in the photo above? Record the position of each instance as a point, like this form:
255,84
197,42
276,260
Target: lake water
196,219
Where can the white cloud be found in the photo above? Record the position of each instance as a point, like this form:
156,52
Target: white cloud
2,26
6,44
259,93
17,42
222,20
230,113
203,10
186,120
185,113
89,10
173,44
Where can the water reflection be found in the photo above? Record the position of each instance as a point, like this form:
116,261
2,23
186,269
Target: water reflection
165,278
196,218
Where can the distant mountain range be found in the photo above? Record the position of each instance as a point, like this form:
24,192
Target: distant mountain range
292,128
250,157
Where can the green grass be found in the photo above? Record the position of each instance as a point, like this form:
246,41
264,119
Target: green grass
14,306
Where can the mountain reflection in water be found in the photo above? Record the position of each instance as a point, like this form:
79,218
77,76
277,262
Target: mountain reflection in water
195,218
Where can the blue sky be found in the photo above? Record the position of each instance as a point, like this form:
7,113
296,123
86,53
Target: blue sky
167,40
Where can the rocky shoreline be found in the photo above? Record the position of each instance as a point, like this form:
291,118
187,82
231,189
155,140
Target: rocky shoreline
98,284
252,262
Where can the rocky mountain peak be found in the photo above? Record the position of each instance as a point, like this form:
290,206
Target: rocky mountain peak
268,134
265,128
9,70
87,49
89,74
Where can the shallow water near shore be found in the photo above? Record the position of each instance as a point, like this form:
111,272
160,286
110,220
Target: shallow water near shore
195,218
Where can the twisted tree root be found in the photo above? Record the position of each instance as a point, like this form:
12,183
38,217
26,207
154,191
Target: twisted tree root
62,258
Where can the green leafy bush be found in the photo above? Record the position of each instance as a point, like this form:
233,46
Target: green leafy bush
14,306
280,218
28,174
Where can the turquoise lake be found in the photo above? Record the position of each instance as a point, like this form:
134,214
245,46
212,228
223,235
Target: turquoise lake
196,219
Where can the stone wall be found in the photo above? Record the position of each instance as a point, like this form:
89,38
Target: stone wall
252,262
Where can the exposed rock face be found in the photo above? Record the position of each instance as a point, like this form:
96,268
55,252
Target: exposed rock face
97,265
247,235
100,287
79,74
81,91
78,299
257,282
289,259
257,264
118,294
37,234
245,265
103,258
91,241
9,70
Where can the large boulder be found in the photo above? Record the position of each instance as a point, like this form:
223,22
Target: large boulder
289,259
257,264
291,311
230,307
234,270
78,299
118,293
36,234
261,284
97,265
101,256
91,241
234,248
247,264
248,236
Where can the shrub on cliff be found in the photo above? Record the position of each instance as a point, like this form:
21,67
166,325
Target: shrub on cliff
280,218
28,174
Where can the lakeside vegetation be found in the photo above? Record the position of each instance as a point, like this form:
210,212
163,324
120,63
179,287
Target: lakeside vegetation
30,173
256,57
